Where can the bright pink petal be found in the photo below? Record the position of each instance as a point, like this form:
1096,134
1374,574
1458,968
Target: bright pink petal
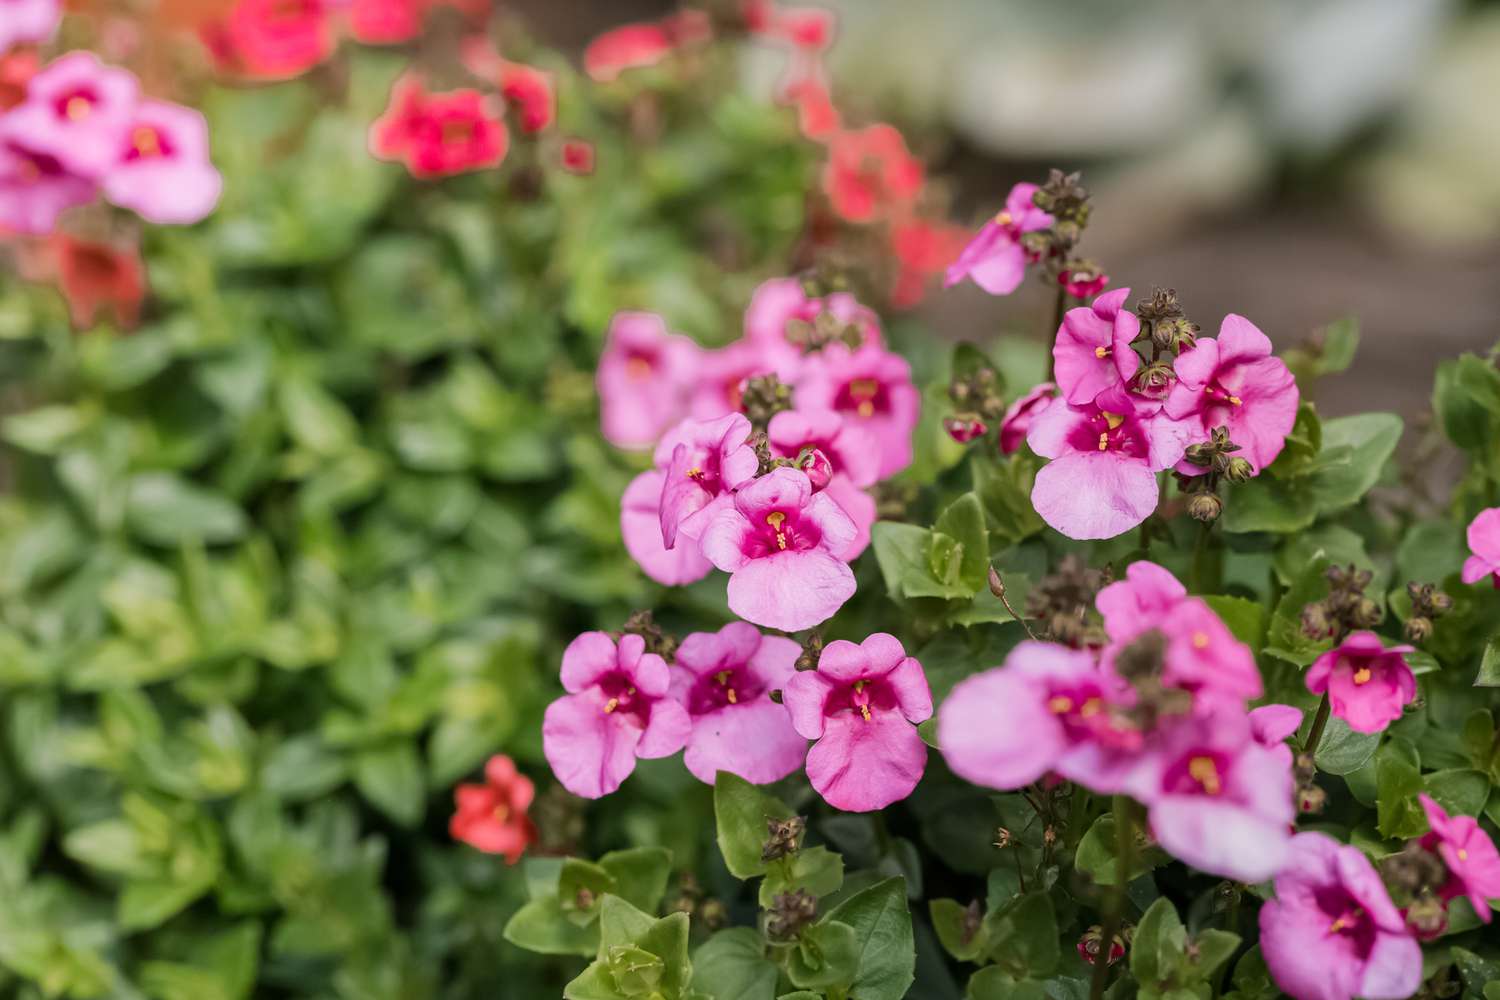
666,732
909,683
790,591
1241,340
995,731
1094,496
590,752
587,658
805,695
755,741
861,766
640,527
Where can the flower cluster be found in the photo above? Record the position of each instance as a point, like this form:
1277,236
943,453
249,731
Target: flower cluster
764,448
82,129
735,701
1158,713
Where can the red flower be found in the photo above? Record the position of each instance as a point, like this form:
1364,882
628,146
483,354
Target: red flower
16,70
807,27
386,22
531,91
96,276
632,46
923,250
438,134
578,156
273,38
870,174
816,116
492,817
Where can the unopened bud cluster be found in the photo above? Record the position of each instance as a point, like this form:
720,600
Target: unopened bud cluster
762,397
1062,603
1427,605
643,624
1346,608
1067,201
977,402
1219,463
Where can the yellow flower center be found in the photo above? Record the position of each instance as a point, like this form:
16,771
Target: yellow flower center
1205,772
1362,675
775,519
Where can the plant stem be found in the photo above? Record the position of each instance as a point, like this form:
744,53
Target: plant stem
1201,556
1116,912
1059,306
1320,721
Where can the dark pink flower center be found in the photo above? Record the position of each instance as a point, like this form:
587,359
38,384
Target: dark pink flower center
780,530
147,142
1111,432
640,364
35,167
729,685
1348,922
1085,715
75,105
864,397
866,698
619,697
1202,771
1218,398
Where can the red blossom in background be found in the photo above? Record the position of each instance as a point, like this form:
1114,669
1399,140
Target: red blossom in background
386,22
531,91
870,174
633,46
97,276
492,817
436,135
923,250
577,156
16,70
274,39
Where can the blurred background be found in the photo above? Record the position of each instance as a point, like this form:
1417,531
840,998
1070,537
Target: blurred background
1290,160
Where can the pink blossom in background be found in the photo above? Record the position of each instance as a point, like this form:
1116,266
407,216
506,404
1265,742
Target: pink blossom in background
630,46
994,258
872,388
817,116
870,174
780,543
1049,708
386,22
1205,659
1105,456
1332,932
26,21
1092,352
724,679
1368,685
852,463
1216,798
577,157
275,39
616,710
1484,543
640,527
1082,285
165,174
642,379
1469,854
35,188
78,111
780,300
492,817
720,376
1235,381
1273,725
1147,595
862,705
1020,414
704,461
438,134
531,92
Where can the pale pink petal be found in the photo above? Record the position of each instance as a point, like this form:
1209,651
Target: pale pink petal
838,528
790,591
724,539
1272,724
859,505
590,752
861,766
1240,340
804,696
1394,969
1094,496
1196,365
909,683
1220,837
666,732
994,730
755,741
640,527
587,658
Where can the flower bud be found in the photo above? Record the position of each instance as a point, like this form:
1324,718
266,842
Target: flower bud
1427,916
1238,470
783,837
789,913
1311,799
1155,380
1091,944
1418,629
1315,622
817,466
964,428
997,585
1205,507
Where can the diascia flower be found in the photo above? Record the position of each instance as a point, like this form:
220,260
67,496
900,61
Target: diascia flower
1473,863
1484,543
278,38
1092,352
994,258
870,174
871,388
724,679
780,542
862,705
1102,480
35,188
632,46
78,111
24,21
386,22
16,70
642,379
438,134
640,527
1234,381
164,173
492,817
852,463
705,460
1131,606
1216,798
95,276
1368,685
779,301
617,709
1020,414
1332,932
1049,708
1273,725
719,381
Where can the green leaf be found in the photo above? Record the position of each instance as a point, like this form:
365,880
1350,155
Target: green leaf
732,965
1159,944
826,953
164,509
1246,619
1489,664
994,983
815,870
960,930
1004,489
1284,637
1331,350
741,812
1461,791
622,924
1023,936
888,955
963,521
1096,855
1212,948
640,874
1397,781
390,779
1342,750
541,926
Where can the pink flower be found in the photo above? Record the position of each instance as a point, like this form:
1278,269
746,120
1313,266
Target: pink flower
705,460
720,377
640,527
1484,543
1020,414
492,817
1147,595
632,46
1093,351
24,21
16,70
1205,659
872,388
779,301
724,679
1235,381
780,542
852,463
1083,284
79,111
1049,708
532,92
35,188
870,174
436,135
1217,799
278,38
1273,725
1368,685
922,250
642,379
995,258
862,705
1332,932
616,710
1102,480
577,157
164,174
1469,854
386,22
